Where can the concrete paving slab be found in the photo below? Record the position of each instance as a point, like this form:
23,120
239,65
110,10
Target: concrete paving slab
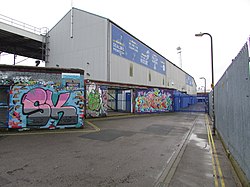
195,167
230,177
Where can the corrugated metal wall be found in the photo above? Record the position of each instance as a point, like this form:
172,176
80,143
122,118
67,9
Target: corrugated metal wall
210,106
232,103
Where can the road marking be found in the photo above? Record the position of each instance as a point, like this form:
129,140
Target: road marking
94,126
217,161
96,129
213,164
215,156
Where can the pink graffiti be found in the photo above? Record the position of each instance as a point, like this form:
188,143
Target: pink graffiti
43,97
38,103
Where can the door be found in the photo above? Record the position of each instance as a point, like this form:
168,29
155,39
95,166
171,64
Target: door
128,102
4,105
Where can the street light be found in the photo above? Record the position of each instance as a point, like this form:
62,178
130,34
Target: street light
205,84
212,67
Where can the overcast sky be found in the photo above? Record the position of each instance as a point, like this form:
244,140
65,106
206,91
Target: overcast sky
161,24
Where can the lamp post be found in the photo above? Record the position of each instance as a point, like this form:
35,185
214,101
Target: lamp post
212,68
205,84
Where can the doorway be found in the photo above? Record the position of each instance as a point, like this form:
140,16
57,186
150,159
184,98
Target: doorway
119,100
4,106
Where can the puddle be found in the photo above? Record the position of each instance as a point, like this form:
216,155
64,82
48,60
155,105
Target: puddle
200,142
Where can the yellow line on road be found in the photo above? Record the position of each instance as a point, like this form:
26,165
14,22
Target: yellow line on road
96,129
214,167
217,161
214,154
94,126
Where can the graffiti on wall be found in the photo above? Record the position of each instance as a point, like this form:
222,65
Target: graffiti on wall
8,78
45,105
4,80
153,100
96,101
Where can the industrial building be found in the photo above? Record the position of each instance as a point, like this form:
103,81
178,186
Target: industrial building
119,68
121,73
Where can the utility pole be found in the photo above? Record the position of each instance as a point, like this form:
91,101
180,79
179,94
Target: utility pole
180,59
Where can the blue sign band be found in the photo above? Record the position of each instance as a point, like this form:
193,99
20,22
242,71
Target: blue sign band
128,47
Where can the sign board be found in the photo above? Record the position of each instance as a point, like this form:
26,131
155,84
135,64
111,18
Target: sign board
126,46
71,75
189,80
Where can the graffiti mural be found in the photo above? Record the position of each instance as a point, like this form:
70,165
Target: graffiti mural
40,106
45,108
43,100
97,101
153,100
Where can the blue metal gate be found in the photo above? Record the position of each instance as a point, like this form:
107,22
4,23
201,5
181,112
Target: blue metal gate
188,103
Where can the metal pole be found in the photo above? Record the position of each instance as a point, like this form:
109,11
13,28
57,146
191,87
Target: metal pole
14,60
212,85
71,20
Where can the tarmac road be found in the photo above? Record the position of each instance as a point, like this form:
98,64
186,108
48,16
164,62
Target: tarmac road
127,151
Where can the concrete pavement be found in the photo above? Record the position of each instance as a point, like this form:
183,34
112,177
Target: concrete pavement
202,162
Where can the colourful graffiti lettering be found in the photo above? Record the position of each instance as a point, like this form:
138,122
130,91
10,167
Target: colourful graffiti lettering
153,100
45,107
97,100
40,105
44,100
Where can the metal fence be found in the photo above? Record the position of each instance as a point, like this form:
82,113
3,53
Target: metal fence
210,106
232,104
21,25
